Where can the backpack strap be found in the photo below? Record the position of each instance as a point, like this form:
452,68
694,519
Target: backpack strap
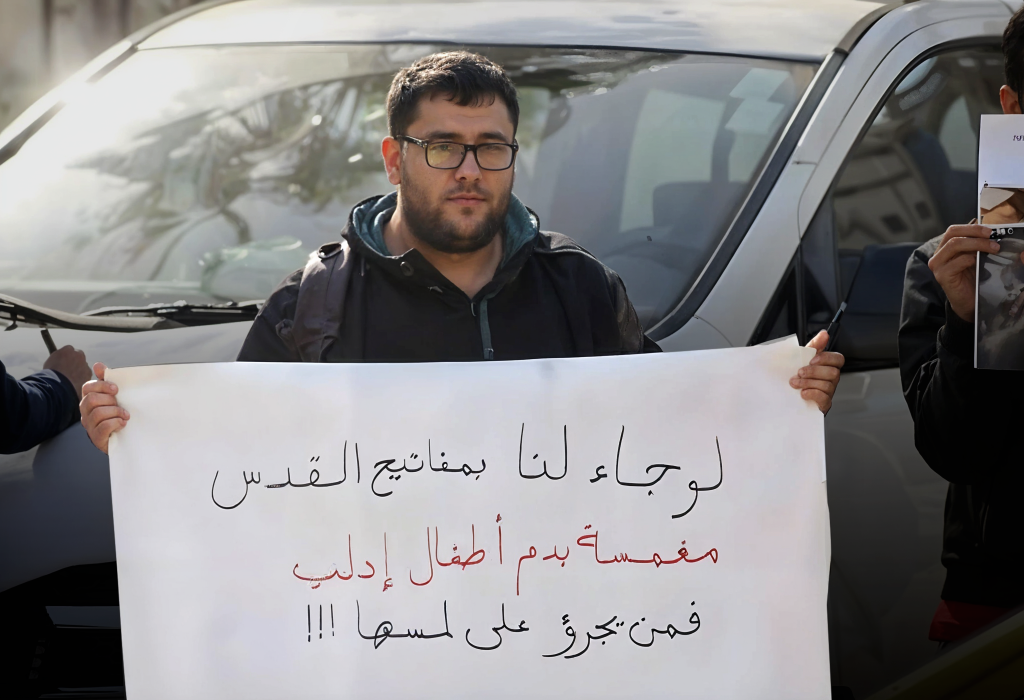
320,306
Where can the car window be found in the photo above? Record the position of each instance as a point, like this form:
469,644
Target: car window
208,174
911,174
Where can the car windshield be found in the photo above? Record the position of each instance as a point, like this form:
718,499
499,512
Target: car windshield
209,174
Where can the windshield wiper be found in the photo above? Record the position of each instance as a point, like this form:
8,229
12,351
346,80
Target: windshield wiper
127,319
16,310
184,313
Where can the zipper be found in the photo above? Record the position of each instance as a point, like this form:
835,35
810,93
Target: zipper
485,326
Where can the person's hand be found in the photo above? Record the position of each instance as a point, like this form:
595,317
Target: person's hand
817,380
71,363
954,262
101,415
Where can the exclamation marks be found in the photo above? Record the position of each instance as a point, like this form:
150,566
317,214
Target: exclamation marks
309,622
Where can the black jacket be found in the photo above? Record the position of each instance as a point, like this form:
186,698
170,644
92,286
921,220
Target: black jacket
550,298
35,409
967,425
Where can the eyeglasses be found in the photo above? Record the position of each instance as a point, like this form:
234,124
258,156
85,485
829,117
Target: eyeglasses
447,155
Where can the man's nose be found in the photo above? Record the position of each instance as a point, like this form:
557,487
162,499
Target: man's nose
470,169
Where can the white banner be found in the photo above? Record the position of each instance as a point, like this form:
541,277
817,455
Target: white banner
647,526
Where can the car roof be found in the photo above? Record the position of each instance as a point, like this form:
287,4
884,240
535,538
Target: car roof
795,29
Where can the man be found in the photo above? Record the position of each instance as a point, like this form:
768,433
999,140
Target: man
959,411
43,404
452,266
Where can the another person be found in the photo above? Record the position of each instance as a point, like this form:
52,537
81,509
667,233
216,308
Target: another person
451,266
43,404
961,414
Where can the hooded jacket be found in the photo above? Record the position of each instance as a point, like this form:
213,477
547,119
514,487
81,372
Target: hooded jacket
549,298
964,427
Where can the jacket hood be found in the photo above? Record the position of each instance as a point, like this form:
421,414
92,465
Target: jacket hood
370,216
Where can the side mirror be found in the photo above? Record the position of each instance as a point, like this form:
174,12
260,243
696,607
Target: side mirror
868,332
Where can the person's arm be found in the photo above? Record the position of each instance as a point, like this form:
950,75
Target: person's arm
936,351
265,343
35,409
631,336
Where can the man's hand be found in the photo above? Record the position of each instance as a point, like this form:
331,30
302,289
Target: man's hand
70,363
953,265
817,381
101,415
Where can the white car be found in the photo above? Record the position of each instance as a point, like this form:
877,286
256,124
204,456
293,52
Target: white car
745,165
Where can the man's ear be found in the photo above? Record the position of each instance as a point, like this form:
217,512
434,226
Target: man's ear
391,149
1008,99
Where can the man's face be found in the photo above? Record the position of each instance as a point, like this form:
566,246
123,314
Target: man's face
459,210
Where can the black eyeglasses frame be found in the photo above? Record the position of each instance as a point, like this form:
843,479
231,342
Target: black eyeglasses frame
466,148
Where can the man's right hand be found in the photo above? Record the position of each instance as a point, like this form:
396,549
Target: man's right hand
954,262
101,415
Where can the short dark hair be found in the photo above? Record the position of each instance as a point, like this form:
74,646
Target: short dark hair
1013,52
465,78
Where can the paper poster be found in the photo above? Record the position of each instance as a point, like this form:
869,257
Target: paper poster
1000,175
999,302
650,526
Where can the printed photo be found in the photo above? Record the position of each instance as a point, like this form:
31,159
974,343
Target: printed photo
1001,205
1000,306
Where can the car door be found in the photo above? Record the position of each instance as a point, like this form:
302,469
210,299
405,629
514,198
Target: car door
899,169
858,185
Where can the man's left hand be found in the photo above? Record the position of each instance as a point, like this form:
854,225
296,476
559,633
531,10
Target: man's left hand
818,379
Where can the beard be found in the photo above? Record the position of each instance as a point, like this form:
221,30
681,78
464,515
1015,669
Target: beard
428,223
